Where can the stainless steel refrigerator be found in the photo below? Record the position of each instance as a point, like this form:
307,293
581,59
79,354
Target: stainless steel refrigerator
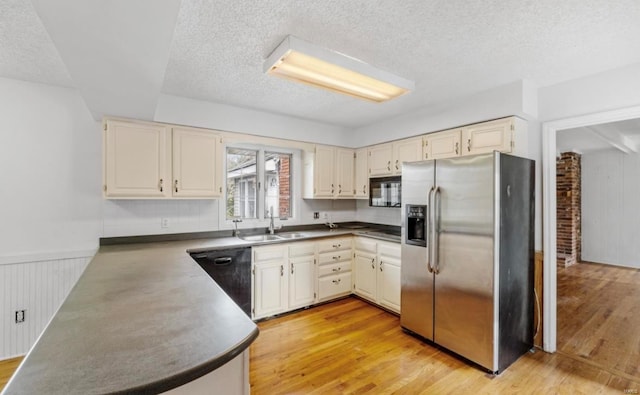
467,255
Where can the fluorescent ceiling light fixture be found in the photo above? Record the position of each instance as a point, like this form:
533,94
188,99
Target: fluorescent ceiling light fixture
301,61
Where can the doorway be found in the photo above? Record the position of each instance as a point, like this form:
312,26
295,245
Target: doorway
598,256
549,130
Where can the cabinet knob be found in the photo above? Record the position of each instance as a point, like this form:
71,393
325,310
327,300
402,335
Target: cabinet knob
336,281
336,257
336,269
389,165
457,148
397,165
469,145
281,270
176,185
161,188
291,269
381,263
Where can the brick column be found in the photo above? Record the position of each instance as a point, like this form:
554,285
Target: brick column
568,198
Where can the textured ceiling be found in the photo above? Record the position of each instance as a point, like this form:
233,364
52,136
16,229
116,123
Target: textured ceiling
26,51
450,48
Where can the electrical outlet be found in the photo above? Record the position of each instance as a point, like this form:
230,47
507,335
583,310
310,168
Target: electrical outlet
316,215
20,316
164,222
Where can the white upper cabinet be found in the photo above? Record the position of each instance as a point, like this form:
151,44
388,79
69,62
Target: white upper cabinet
407,150
488,137
329,173
442,144
195,170
136,160
361,180
386,159
323,172
344,173
380,158
148,160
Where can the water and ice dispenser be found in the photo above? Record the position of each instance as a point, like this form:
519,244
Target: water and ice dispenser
416,233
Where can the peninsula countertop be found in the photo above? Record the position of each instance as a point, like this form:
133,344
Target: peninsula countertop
141,318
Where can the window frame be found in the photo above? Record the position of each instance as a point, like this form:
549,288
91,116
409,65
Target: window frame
295,179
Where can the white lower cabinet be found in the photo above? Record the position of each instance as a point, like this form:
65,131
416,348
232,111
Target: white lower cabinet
388,275
302,274
270,284
299,274
377,272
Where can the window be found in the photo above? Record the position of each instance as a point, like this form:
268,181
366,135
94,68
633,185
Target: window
277,174
250,169
242,179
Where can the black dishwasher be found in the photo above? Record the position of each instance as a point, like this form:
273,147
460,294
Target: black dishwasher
231,270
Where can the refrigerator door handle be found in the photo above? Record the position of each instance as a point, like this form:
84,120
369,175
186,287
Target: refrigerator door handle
429,228
435,245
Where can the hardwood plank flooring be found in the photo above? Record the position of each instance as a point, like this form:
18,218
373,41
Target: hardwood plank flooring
351,347
7,367
599,316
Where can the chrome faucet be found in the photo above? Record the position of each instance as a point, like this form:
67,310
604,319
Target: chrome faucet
234,232
272,227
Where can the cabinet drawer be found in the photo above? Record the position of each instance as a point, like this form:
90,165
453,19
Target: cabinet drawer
389,250
335,268
261,254
302,249
335,244
366,245
334,257
333,286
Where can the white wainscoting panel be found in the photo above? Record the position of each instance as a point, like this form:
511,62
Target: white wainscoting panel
39,288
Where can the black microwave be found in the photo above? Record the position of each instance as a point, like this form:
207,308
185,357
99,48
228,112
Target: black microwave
385,191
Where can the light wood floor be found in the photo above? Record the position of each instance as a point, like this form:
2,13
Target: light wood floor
599,316
351,347
7,367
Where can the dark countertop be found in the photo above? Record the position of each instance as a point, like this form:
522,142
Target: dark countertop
144,318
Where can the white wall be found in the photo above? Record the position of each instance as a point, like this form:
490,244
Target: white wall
500,102
600,92
51,204
198,113
50,172
610,210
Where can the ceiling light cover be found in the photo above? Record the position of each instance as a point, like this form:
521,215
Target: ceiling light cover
301,61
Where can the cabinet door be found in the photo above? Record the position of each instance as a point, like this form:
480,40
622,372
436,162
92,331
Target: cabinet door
365,275
136,159
323,173
196,171
361,175
409,150
488,137
389,283
302,279
380,158
442,144
270,288
344,173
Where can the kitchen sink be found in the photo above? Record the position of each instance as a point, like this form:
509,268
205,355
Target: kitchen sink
292,235
260,238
